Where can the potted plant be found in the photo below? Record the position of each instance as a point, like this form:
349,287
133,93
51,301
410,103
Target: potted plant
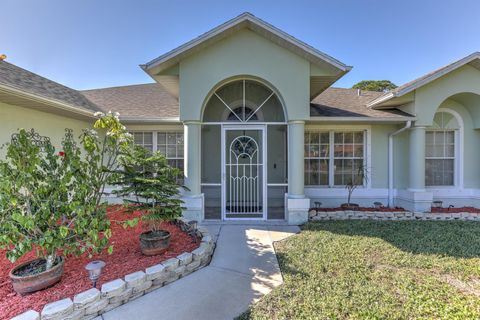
150,186
358,179
50,201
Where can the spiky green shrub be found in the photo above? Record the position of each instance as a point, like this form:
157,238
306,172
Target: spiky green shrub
149,185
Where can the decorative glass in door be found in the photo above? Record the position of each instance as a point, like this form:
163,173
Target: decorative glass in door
244,174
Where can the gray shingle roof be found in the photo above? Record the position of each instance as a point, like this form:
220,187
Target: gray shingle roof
137,101
151,101
340,102
29,82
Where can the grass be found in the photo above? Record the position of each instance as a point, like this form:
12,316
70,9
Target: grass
377,270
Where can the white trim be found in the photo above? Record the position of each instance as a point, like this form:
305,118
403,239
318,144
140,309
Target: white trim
361,119
367,152
52,102
419,82
132,119
245,17
458,174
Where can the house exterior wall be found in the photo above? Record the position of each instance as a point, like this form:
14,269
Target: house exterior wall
457,92
376,153
244,54
13,118
429,97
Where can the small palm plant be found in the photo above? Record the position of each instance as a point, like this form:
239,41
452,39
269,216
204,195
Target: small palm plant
149,185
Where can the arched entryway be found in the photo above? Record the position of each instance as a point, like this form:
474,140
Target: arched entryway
244,152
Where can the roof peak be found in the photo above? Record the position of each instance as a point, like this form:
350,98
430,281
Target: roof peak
212,34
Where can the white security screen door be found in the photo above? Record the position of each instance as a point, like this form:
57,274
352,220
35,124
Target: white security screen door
244,171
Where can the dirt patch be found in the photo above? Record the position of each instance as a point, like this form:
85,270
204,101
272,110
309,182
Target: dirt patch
455,210
363,209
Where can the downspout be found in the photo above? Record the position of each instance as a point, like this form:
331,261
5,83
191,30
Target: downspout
390,160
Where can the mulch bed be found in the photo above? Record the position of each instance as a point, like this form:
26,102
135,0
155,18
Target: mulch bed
455,210
126,258
382,209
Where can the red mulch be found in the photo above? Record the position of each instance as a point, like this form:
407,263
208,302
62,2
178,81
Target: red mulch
455,210
382,209
126,258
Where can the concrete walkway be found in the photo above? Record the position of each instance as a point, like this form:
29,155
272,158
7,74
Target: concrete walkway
243,269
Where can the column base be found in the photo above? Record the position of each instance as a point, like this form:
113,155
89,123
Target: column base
414,200
194,207
297,209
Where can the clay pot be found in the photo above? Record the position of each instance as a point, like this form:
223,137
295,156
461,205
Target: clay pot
24,284
154,242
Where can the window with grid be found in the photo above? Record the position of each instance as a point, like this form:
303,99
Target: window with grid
439,158
144,139
348,157
345,150
440,150
317,154
169,143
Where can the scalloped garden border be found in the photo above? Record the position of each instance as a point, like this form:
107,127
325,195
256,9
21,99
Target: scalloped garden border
91,303
397,215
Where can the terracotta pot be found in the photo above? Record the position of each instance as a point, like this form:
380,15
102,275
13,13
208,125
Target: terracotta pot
154,242
35,282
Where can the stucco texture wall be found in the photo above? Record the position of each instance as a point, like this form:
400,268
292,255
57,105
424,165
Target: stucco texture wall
428,98
13,118
244,54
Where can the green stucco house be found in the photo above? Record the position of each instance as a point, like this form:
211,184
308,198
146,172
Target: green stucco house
249,114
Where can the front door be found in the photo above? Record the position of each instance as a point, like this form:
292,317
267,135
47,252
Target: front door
243,173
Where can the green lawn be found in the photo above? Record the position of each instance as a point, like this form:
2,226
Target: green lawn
377,270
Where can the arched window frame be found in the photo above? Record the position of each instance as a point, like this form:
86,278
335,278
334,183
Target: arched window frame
458,151
257,108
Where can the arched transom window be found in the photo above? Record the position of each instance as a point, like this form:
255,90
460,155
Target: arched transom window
244,101
441,150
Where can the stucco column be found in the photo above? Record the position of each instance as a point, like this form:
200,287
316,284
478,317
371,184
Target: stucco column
193,199
296,134
192,156
417,159
297,203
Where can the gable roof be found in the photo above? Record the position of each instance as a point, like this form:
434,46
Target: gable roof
147,101
255,24
14,79
472,59
352,104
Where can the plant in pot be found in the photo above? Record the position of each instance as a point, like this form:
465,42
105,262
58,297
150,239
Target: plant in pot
149,185
359,178
50,203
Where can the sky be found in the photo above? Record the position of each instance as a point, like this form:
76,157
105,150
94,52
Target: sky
88,44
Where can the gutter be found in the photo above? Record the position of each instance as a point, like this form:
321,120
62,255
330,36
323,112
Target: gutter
361,119
390,160
54,103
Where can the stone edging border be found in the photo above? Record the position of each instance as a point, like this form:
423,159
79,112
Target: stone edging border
397,215
93,302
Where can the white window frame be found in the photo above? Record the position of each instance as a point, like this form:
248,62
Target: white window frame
458,152
366,152
155,141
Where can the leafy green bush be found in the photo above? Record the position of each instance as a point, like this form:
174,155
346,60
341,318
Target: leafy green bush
50,200
147,177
